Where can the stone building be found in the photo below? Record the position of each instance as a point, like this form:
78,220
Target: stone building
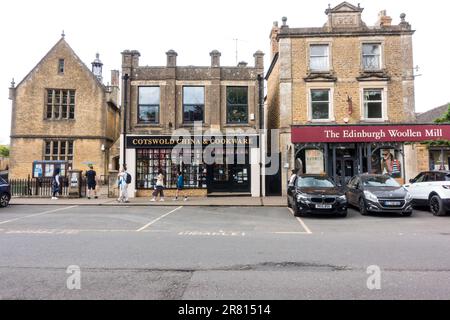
193,107
63,116
342,96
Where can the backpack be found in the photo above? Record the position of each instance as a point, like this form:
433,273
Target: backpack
128,179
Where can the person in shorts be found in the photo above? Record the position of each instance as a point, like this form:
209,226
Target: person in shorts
91,177
180,186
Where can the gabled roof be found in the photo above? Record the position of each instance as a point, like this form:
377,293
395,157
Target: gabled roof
344,7
63,42
431,115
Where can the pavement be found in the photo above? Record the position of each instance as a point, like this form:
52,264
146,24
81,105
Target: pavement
235,253
193,201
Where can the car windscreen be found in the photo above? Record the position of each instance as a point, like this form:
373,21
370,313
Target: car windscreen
314,182
2,181
382,181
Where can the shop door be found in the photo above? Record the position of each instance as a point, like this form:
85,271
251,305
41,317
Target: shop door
345,170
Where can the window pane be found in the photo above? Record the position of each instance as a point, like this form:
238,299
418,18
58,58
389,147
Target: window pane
373,104
374,110
319,50
320,95
320,110
237,104
371,49
149,95
237,114
373,95
149,114
237,95
371,56
193,113
194,95
319,64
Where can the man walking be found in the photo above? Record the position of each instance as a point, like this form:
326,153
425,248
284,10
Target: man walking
91,177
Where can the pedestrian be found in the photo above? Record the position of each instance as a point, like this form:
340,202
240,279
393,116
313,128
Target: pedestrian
91,176
159,188
293,177
123,177
56,184
180,186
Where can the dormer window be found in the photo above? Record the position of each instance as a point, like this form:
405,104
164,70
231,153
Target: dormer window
61,66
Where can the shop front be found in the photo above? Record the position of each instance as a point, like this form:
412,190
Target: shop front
208,164
344,151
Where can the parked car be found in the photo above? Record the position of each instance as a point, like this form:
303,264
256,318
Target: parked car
316,194
5,193
378,193
431,189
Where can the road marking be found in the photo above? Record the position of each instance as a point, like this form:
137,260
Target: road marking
157,219
38,214
304,226
294,233
220,233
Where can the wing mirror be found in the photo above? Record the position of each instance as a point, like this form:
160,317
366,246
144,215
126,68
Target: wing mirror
412,180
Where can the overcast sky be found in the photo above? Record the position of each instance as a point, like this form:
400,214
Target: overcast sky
194,28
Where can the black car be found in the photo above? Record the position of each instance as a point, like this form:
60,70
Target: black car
378,193
5,193
316,194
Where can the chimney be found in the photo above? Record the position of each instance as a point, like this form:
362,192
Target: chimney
12,90
383,19
242,64
115,76
171,59
215,58
130,59
273,39
259,59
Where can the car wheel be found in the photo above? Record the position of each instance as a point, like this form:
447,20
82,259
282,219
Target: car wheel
436,206
4,200
362,207
297,212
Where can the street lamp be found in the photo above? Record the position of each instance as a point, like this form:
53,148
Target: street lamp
125,79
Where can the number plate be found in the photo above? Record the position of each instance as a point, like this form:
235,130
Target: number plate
324,206
392,203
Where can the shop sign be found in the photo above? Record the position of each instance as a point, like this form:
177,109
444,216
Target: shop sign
141,142
314,161
375,133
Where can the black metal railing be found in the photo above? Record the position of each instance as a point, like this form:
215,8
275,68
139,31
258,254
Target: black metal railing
38,187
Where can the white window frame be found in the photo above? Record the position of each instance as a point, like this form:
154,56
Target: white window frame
328,56
381,62
384,104
317,86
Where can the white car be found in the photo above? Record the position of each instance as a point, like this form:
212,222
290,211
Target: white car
431,189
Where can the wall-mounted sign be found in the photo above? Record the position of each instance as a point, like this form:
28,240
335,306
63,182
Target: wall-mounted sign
372,133
138,142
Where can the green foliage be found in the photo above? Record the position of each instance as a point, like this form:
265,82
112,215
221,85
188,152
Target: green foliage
4,151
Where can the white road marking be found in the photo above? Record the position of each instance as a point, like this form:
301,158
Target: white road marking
157,219
304,226
38,214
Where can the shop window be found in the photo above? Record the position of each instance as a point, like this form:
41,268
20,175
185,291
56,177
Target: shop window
320,104
439,159
193,104
149,103
237,105
371,54
60,104
373,104
319,60
387,161
149,162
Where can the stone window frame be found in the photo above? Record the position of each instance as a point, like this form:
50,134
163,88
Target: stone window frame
61,66
325,41
375,86
373,40
158,121
321,86
68,108
69,145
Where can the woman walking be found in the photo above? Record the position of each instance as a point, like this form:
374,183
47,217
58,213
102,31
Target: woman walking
159,188
180,186
56,183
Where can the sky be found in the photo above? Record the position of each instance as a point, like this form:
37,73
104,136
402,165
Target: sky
29,29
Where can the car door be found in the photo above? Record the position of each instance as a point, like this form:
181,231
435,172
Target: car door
423,186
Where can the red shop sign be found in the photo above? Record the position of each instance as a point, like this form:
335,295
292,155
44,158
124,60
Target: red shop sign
376,133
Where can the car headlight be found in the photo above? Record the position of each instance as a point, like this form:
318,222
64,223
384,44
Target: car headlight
408,196
342,198
301,197
370,196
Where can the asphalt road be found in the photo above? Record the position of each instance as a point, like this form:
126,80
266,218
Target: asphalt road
219,253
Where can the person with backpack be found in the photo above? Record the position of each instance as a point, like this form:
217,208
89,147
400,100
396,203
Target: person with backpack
91,177
159,188
180,186
124,179
56,183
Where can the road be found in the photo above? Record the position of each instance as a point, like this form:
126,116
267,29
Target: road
219,253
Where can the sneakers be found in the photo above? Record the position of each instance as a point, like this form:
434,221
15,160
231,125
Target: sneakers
161,200
153,200
54,198
89,198
185,198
